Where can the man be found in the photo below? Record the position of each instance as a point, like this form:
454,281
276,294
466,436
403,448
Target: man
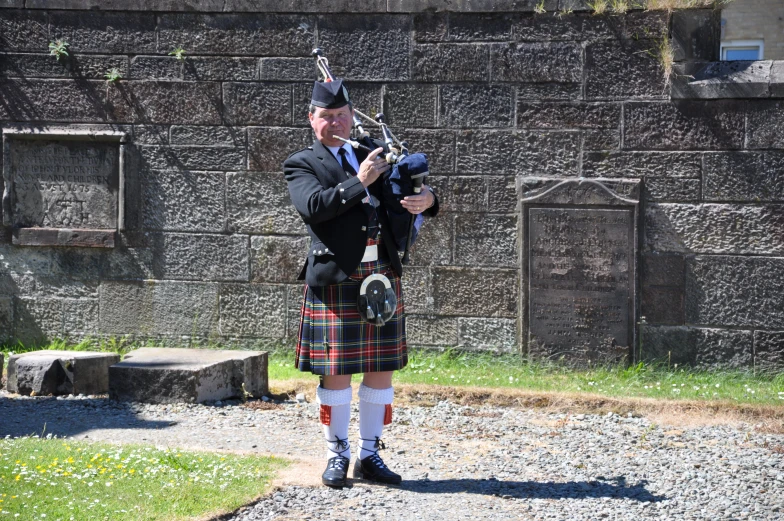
337,191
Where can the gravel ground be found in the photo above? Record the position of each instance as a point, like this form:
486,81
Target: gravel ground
459,462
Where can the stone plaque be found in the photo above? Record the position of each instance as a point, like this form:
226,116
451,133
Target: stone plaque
579,269
63,188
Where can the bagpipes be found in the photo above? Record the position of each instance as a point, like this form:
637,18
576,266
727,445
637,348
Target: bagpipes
406,176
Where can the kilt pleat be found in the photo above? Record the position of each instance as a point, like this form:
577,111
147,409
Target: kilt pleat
333,339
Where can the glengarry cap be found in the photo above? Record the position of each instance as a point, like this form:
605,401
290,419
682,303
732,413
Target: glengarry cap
329,94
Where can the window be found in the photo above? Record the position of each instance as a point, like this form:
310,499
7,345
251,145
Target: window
742,50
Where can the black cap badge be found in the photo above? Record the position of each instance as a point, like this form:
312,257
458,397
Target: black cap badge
329,94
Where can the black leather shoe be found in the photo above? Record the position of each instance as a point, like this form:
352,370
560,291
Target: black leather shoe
373,468
337,470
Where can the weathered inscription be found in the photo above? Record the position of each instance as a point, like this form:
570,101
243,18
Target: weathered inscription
580,286
64,184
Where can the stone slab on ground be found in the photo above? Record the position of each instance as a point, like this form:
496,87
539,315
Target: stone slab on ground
59,372
170,375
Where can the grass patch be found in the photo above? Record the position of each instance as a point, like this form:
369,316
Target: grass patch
50,478
461,369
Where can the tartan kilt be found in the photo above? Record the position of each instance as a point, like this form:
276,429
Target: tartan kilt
333,339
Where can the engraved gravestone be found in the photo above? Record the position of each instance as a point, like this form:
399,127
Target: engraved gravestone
579,268
63,187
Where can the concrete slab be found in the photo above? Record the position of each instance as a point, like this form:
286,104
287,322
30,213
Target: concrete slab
59,372
170,375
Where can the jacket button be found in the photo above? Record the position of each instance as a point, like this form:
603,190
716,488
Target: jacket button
326,249
319,252
364,228
343,201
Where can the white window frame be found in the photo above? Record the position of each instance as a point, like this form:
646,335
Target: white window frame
742,45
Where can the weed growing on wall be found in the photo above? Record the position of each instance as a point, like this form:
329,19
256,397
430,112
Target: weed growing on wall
178,53
58,48
113,75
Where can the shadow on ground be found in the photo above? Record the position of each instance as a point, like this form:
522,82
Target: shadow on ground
611,488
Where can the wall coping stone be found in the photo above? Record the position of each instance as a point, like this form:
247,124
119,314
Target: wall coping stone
728,80
307,6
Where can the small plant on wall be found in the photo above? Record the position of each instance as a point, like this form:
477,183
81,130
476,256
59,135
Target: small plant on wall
58,48
178,53
113,75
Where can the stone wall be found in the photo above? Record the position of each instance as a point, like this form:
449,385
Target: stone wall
491,91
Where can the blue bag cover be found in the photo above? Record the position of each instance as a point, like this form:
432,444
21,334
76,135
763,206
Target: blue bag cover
397,184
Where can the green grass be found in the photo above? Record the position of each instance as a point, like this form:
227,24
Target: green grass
493,370
54,479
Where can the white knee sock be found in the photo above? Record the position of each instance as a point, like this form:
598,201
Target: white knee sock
335,412
375,411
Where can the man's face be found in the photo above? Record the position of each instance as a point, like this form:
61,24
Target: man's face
332,122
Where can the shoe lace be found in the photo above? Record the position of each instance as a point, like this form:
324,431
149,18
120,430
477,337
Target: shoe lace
378,445
341,446
338,463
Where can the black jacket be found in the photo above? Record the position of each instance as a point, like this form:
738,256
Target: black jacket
330,205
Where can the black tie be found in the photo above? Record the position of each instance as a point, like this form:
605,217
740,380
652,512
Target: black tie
346,165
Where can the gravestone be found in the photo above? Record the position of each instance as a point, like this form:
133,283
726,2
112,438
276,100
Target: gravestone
63,187
579,269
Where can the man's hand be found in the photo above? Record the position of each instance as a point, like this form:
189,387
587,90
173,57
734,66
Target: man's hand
416,204
372,167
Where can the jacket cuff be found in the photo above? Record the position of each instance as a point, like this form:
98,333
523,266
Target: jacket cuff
351,191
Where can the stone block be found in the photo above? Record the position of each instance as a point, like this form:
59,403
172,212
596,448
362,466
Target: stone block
11,4
431,330
277,259
769,350
695,35
777,79
80,317
649,24
537,62
485,240
39,100
87,265
718,80
6,318
150,134
259,203
24,31
763,129
469,6
286,69
156,375
501,193
391,42
223,68
434,242
430,26
410,105
105,32
672,190
123,5
37,320
700,347
182,200
526,153
695,125
744,176
208,136
662,305
735,291
475,292
714,228
43,373
237,34
623,69
418,290
470,106
201,257
192,158
155,68
488,334
544,27
268,147
14,65
470,27
449,63
253,310
295,296
266,104
568,115
645,165
127,307
305,6
437,145
607,139
162,102
605,27
662,270
549,91
461,193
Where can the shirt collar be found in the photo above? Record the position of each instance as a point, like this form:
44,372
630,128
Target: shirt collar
335,150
